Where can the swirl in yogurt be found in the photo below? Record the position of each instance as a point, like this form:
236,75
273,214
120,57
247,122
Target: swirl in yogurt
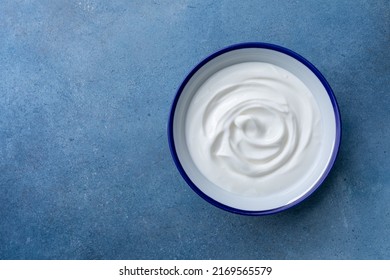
253,127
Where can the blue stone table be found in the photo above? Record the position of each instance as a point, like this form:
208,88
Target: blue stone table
85,92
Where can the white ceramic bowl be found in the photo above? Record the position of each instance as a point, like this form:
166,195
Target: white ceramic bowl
301,68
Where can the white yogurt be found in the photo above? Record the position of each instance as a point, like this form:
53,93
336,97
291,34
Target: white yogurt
253,128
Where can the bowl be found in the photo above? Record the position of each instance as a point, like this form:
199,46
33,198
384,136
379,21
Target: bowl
265,193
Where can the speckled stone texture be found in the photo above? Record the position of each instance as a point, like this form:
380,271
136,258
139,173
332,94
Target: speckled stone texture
85,92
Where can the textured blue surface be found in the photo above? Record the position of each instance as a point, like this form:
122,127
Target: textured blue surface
85,93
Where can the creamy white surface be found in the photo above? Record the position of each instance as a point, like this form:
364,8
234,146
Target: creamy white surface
253,128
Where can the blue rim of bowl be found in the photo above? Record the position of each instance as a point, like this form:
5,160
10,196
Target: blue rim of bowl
292,54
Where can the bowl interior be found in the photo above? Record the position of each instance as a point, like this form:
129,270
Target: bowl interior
298,190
